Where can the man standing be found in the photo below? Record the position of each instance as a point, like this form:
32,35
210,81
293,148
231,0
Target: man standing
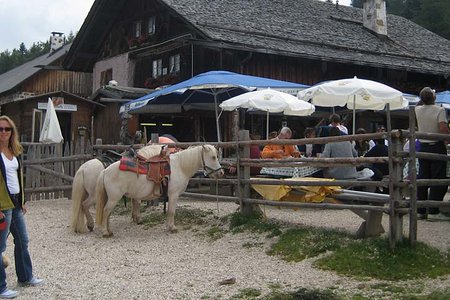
431,119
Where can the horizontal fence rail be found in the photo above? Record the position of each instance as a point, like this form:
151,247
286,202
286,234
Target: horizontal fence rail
50,169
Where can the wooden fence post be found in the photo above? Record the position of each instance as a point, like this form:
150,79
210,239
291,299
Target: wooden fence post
395,174
99,142
154,138
412,174
244,173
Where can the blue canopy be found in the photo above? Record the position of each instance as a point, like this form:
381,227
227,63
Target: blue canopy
204,92
443,97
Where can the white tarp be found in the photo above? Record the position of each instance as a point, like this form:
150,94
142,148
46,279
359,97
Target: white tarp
51,131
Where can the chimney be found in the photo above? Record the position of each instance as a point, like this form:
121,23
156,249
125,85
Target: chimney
374,16
56,41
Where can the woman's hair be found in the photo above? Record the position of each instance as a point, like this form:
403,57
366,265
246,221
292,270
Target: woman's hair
308,131
360,131
14,144
335,118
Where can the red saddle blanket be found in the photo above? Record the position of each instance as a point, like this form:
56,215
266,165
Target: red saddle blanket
156,168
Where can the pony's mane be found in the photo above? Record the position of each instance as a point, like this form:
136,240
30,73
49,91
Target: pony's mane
149,151
191,157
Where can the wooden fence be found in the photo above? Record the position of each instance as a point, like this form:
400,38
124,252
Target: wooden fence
49,174
49,168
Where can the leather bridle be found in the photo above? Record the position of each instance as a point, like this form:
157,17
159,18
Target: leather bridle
207,170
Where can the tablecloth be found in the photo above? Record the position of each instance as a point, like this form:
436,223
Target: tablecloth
306,193
303,171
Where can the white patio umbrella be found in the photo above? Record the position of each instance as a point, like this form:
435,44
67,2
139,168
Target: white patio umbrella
270,101
51,131
355,93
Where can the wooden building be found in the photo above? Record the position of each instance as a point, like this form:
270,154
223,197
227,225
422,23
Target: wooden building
24,92
150,43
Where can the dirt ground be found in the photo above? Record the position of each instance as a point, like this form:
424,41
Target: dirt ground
140,263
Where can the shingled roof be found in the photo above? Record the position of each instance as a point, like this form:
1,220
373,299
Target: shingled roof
309,29
14,77
317,30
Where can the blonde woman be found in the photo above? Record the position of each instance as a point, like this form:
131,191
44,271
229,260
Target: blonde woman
13,207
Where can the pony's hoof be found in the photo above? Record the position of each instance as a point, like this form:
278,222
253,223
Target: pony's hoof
173,230
91,228
108,235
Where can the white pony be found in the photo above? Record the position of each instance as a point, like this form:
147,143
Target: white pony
113,183
83,195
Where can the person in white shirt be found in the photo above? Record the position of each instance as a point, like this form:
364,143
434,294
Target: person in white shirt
372,142
431,119
335,121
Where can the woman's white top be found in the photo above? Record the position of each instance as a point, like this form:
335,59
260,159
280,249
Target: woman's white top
12,178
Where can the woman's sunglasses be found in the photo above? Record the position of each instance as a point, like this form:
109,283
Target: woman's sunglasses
6,129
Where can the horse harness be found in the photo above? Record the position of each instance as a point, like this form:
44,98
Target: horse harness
207,170
109,157
156,168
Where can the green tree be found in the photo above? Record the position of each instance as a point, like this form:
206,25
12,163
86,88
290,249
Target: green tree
17,57
432,15
435,16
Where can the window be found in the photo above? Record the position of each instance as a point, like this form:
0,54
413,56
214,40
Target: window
174,63
157,68
105,77
151,25
137,29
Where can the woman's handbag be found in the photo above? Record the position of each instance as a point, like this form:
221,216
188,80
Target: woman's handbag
3,223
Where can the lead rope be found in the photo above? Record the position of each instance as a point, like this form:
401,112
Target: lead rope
206,173
217,195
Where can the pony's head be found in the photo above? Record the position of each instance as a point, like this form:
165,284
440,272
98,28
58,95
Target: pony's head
210,162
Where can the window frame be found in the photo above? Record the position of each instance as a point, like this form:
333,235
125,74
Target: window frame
137,29
151,25
157,68
174,63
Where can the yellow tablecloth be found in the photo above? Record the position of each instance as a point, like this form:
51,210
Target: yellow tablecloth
303,194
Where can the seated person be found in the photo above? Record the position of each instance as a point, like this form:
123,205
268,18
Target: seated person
339,149
361,146
281,151
372,142
310,150
379,150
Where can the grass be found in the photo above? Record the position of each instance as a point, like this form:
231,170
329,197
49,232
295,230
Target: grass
183,217
253,223
300,294
373,258
247,293
297,244
334,251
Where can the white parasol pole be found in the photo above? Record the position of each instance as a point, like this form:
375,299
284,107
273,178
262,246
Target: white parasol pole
267,126
354,113
217,115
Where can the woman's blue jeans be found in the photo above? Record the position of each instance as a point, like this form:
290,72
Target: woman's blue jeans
22,260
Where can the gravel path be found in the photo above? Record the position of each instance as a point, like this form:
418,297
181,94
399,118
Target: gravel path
139,263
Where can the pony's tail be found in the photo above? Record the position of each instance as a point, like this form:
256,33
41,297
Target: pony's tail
100,196
79,194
